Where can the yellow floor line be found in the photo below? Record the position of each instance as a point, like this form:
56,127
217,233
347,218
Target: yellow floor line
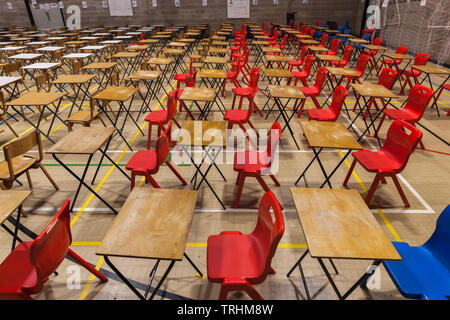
91,279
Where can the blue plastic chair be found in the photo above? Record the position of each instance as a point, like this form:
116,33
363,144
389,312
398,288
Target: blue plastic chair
424,272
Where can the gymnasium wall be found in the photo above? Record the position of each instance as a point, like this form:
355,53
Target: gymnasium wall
420,28
192,11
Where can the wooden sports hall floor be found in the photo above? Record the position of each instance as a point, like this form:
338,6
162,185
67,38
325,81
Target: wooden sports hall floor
426,182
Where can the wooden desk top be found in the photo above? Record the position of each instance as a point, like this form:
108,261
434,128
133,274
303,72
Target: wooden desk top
342,72
332,31
273,58
126,55
5,81
271,49
198,94
218,50
338,224
149,41
374,47
213,59
147,227
100,65
328,57
137,47
85,140
73,78
116,93
318,48
358,40
345,35
394,55
373,90
177,44
431,69
288,92
324,134
173,51
260,43
144,75
213,73
307,41
203,133
219,43
277,73
303,36
10,200
33,98
162,61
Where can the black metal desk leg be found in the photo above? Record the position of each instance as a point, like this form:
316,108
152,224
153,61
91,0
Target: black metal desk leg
193,265
16,228
162,279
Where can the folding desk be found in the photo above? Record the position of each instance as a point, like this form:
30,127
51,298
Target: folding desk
105,68
128,62
27,57
177,55
42,99
198,95
46,51
163,64
210,136
77,56
277,74
337,224
216,62
357,43
119,95
330,135
368,91
10,201
85,141
79,83
280,61
152,224
214,78
42,67
96,50
371,47
7,82
150,80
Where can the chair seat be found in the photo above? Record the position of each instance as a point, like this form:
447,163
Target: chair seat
401,114
143,161
233,255
321,114
310,91
295,63
234,48
246,92
181,76
419,273
251,161
17,278
20,164
232,74
409,73
374,161
157,116
235,115
82,116
195,56
299,74
390,62
338,63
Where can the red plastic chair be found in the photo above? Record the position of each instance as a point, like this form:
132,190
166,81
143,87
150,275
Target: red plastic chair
281,46
332,113
412,112
304,74
345,58
446,86
26,269
323,41
249,91
147,162
274,39
185,77
299,62
270,31
360,68
233,74
314,91
252,163
386,79
334,47
296,26
238,261
391,159
162,117
420,60
401,50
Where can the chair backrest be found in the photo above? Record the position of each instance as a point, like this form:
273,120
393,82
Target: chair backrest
439,242
163,146
347,54
77,66
50,247
362,63
190,80
303,54
339,95
268,232
296,26
401,49
41,81
320,78
172,101
334,47
421,59
377,41
324,40
254,78
312,31
274,138
401,140
418,99
283,42
387,78
308,64
12,67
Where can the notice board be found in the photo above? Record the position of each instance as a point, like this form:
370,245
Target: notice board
120,8
238,9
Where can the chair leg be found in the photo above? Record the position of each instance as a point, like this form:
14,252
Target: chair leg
133,178
240,181
372,189
149,138
300,111
223,292
86,265
252,292
381,122
262,183
316,102
49,177
30,183
400,190
152,181
274,180
9,126
347,177
171,167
